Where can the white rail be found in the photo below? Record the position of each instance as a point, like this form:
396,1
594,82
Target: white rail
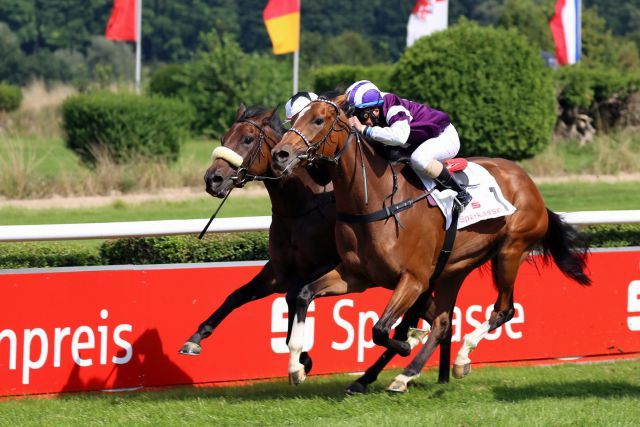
112,230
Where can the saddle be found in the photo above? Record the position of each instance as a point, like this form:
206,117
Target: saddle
396,155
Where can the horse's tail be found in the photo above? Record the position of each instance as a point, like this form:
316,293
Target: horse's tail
567,247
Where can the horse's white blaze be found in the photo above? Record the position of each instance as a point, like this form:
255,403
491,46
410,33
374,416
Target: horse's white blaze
469,342
227,154
296,341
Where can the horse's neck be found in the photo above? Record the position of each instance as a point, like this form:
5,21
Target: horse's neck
349,181
295,194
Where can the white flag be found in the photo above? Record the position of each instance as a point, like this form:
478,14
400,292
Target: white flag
428,16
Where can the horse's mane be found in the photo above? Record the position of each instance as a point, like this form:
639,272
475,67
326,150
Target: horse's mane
257,111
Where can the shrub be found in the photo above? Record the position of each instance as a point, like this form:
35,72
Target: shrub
599,93
184,249
222,76
10,97
613,236
341,76
213,248
125,126
166,80
491,82
46,255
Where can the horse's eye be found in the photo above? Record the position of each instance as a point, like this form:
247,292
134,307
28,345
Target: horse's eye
318,121
247,139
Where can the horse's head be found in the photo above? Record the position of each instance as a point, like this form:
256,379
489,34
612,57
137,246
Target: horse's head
245,151
319,132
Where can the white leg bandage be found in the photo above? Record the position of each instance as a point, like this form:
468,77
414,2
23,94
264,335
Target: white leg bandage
469,342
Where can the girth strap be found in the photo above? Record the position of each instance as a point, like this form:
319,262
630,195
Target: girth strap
447,246
385,213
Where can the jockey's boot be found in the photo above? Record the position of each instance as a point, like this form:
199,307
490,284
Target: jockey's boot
448,181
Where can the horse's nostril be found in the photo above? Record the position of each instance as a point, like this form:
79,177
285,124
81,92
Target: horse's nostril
217,179
282,155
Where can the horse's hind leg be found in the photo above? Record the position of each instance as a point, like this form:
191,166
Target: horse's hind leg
505,269
262,285
335,282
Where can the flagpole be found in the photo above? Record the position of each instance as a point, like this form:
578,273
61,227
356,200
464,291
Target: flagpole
296,63
138,44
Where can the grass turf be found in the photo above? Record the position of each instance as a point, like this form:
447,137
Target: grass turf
569,394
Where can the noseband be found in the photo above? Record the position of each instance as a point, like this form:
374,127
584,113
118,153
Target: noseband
242,173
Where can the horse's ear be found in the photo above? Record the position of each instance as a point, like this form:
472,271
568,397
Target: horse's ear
274,118
241,111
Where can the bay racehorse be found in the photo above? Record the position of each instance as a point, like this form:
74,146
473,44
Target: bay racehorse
401,252
301,237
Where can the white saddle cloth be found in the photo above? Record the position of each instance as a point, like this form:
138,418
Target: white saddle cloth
487,200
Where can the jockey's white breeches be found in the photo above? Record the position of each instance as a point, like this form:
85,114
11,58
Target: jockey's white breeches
441,148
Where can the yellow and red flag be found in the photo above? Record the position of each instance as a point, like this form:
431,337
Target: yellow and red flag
282,19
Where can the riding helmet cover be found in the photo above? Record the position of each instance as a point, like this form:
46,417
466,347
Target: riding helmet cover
297,102
364,94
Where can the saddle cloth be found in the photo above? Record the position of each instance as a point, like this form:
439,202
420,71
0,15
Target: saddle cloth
487,198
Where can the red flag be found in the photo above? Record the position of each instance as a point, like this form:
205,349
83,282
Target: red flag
122,24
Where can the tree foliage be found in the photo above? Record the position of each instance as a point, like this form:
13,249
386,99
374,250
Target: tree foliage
492,83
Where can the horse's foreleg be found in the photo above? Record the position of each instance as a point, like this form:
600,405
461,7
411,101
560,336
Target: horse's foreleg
444,301
335,282
262,285
406,293
505,269
408,321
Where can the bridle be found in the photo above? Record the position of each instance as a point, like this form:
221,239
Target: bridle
312,147
242,173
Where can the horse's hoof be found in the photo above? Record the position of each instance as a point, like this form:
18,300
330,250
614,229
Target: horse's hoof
297,377
306,361
356,388
415,336
405,349
190,349
400,383
398,386
461,371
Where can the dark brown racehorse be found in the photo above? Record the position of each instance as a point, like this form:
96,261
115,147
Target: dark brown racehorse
293,262
401,253
301,238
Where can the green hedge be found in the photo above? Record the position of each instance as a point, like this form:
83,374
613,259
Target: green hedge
127,126
341,76
167,80
492,83
10,97
214,248
46,255
580,87
185,249
599,93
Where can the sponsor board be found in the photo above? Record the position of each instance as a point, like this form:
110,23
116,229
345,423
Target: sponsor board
98,329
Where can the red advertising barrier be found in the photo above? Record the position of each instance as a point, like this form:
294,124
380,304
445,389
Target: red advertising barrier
66,330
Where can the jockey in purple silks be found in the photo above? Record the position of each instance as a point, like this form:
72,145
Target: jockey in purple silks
424,132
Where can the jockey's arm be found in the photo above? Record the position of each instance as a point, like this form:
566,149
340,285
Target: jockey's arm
397,134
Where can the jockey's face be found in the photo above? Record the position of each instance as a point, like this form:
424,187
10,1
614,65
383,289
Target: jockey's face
369,117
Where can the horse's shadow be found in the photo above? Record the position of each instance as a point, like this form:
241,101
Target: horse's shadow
599,389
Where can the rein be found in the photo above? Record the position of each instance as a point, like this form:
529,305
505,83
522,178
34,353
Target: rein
242,175
312,147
